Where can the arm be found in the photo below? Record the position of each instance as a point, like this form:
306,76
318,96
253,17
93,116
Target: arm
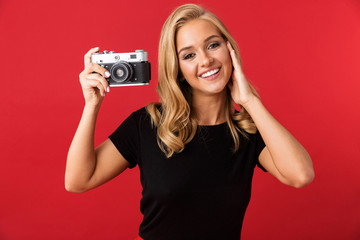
283,157
86,167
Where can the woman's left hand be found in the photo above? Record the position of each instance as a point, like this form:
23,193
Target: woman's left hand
241,91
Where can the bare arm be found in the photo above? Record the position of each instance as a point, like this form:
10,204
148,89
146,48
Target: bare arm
283,157
87,167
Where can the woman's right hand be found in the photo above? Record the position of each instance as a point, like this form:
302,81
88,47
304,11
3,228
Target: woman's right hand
93,82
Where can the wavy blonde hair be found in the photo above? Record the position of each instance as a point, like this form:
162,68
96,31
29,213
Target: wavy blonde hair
173,117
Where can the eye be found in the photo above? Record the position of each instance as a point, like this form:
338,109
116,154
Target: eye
214,45
188,56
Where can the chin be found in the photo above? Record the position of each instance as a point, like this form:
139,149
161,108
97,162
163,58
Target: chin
216,91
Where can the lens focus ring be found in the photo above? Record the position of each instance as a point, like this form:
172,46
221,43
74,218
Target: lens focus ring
121,72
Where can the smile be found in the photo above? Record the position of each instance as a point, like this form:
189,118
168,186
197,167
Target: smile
209,73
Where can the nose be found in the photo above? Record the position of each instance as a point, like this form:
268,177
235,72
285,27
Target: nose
205,59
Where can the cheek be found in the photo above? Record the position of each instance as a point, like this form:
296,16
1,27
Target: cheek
186,70
228,67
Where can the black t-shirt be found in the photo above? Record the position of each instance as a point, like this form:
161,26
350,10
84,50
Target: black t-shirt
200,193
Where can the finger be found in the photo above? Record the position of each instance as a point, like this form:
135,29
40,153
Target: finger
99,78
87,56
94,67
95,71
234,58
95,84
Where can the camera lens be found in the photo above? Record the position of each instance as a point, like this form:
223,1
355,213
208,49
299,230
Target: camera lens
121,72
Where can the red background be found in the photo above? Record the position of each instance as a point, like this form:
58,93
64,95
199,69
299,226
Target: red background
303,56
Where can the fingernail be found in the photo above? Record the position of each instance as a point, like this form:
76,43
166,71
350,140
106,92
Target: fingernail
108,89
107,74
96,47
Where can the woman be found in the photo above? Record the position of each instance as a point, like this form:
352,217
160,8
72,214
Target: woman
196,154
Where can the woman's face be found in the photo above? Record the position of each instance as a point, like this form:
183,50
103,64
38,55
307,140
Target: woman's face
204,58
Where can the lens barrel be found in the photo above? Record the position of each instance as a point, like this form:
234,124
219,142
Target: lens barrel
121,71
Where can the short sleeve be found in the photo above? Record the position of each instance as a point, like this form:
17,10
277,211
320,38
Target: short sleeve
260,145
126,140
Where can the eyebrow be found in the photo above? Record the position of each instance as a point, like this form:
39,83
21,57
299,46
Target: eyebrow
206,40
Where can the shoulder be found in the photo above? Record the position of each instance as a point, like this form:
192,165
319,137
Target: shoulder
154,106
251,137
140,112
155,112
140,115
147,115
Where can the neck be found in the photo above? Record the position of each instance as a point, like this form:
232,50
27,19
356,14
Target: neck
209,110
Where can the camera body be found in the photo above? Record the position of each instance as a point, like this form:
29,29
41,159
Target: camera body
126,69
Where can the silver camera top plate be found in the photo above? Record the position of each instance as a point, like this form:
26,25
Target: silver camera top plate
112,57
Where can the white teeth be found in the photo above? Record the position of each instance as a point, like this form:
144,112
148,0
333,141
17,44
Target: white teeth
209,73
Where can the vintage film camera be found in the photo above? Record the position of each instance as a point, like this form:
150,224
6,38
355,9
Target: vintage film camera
126,69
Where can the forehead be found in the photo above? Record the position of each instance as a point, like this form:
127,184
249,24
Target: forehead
195,31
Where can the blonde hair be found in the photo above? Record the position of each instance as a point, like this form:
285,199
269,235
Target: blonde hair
175,122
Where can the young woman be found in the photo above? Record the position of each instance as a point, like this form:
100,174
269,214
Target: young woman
196,154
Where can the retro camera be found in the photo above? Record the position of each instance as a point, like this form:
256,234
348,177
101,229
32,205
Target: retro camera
126,69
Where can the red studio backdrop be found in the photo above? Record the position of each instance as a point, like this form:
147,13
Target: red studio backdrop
302,56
